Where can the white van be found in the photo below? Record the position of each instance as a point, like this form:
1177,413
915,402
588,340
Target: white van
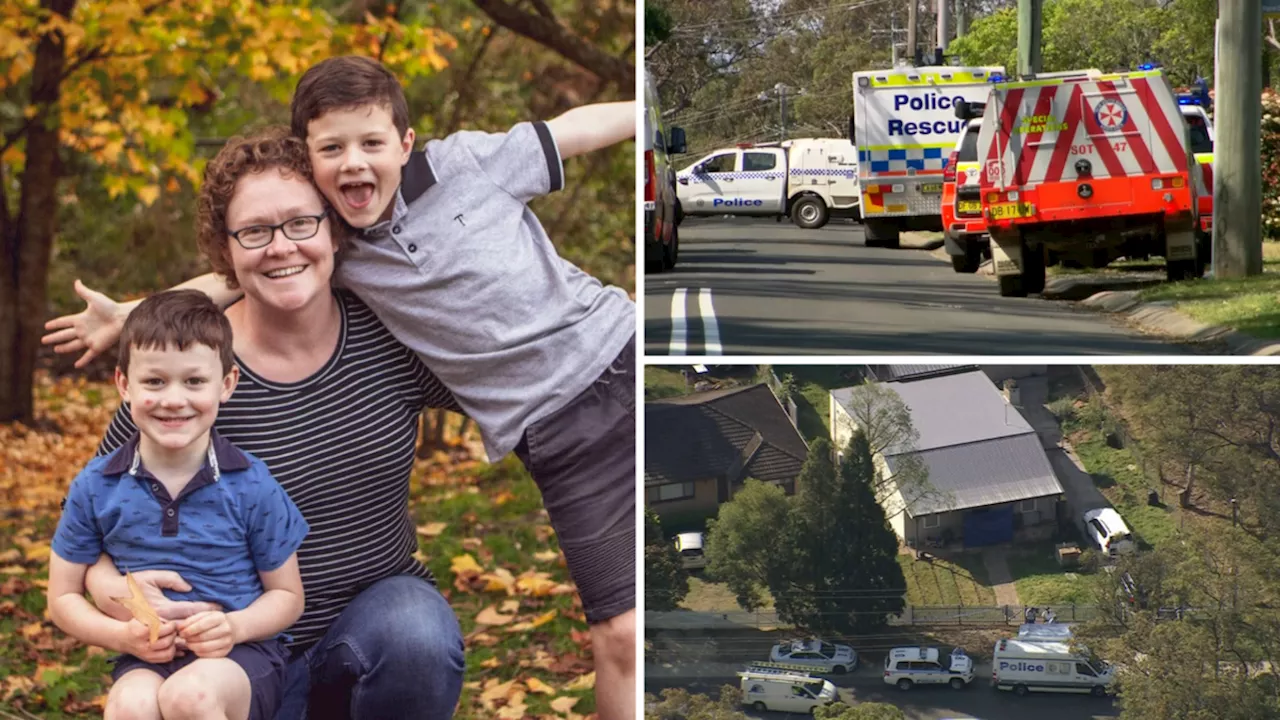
776,686
689,545
1043,662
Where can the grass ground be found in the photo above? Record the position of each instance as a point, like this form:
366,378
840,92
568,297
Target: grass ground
482,531
707,596
663,382
1041,581
961,580
1250,305
815,383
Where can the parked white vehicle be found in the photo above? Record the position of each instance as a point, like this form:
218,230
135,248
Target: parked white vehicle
785,689
911,666
689,545
816,655
1109,532
1040,659
809,180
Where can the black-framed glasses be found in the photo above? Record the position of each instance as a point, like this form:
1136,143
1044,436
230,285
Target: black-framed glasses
303,227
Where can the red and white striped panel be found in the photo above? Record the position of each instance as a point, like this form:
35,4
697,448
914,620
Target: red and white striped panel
1124,127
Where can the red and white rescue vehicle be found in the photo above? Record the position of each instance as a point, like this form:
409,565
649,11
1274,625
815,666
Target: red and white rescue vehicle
1087,170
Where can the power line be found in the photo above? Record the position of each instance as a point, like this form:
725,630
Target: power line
679,30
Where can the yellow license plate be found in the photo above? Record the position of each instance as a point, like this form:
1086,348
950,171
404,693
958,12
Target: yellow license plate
935,188
969,206
1009,211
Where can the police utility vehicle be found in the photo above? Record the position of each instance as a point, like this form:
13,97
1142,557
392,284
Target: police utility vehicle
809,180
788,688
911,666
904,126
1040,659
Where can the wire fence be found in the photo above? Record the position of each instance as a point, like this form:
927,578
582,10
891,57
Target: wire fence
911,615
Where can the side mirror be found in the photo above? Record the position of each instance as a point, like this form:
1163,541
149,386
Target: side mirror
677,145
852,125
963,111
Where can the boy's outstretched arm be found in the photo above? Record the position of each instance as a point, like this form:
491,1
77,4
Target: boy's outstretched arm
592,127
98,326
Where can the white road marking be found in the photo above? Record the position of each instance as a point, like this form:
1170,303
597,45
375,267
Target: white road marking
711,330
679,325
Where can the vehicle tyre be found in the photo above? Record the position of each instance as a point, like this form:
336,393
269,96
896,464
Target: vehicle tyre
759,706
882,233
654,254
1099,691
957,684
671,253
1020,690
809,213
1011,286
1032,269
679,213
840,669
1175,270
969,261
905,684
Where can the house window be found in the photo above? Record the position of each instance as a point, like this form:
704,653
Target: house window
670,492
932,521
1026,506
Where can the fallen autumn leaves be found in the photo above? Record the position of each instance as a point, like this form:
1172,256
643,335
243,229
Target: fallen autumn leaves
483,533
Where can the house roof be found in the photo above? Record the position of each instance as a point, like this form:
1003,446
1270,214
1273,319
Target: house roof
983,473
978,448
703,435
890,373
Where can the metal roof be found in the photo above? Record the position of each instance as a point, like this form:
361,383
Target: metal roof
889,373
983,473
957,409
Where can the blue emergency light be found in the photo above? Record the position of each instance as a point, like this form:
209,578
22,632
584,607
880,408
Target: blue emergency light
995,78
1147,66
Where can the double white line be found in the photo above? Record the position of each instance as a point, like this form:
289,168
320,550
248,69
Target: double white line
680,324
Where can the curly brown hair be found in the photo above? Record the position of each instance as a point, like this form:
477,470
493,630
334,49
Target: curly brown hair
273,147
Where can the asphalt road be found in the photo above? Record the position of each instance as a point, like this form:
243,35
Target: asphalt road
747,286
979,700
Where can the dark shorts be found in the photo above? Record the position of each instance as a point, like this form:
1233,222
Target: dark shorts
263,662
583,458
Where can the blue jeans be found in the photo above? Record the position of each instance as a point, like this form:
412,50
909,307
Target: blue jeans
395,652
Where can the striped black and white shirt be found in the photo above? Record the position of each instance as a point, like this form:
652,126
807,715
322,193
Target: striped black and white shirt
341,442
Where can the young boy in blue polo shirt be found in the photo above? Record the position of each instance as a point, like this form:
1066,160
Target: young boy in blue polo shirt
179,497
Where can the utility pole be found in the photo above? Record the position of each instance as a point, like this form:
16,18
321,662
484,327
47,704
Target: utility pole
962,21
1029,29
942,27
1237,170
782,108
911,29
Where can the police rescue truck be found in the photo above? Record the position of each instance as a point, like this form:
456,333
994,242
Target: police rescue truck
1042,660
784,687
809,180
1086,171
904,126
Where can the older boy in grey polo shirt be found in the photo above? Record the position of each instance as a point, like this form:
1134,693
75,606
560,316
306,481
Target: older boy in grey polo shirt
539,353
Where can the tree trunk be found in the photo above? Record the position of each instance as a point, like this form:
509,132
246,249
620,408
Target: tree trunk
433,427
24,257
1184,497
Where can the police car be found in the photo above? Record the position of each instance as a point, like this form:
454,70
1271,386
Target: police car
911,666
816,655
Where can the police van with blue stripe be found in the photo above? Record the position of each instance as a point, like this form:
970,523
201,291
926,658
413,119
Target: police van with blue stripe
809,180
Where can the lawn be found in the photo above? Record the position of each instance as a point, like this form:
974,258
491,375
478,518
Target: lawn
815,383
1041,581
1250,305
714,597
961,580
663,382
482,531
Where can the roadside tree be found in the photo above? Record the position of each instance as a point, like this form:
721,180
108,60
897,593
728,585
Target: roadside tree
745,546
861,711
665,581
680,704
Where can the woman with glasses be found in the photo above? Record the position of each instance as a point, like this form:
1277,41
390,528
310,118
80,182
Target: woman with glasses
329,401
